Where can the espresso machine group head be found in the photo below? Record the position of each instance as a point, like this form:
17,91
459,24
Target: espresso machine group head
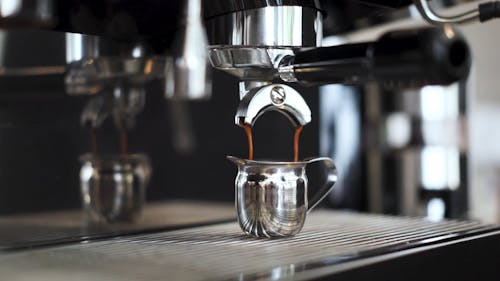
270,46
250,39
114,72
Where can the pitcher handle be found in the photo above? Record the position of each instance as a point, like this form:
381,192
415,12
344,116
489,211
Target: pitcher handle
331,179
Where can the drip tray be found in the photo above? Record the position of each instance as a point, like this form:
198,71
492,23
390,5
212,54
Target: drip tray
33,230
331,242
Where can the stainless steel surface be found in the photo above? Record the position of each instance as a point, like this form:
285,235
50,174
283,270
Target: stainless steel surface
83,46
95,111
260,100
272,198
286,69
277,26
128,102
121,101
27,13
246,86
90,76
434,18
251,43
287,73
80,46
95,63
113,187
44,228
249,63
330,240
192,73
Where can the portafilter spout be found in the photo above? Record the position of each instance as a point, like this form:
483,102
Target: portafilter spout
275,97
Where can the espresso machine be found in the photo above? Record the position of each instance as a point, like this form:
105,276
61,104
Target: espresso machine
131,121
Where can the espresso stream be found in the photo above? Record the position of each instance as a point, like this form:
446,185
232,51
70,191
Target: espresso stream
248,131
93,139
296,138
123,141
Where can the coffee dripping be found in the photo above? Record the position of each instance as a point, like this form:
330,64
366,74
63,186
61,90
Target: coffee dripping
248,131
122,104
123,142
296,140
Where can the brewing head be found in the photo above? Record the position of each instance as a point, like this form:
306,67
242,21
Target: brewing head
275,97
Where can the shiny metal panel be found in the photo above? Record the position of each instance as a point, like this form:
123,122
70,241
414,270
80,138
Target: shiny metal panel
283,26
95,63
249,64
27,13
82,46
250,44
221,7
192,76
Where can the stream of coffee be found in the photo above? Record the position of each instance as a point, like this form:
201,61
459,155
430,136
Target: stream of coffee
248,131
296,140
93,139
123,142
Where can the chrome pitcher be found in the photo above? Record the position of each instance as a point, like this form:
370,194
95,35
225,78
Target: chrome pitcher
113,186
272,197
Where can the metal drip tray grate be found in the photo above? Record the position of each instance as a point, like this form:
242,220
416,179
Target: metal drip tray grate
220,252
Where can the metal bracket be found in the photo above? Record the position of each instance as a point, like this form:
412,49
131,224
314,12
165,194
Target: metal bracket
433,18
277,97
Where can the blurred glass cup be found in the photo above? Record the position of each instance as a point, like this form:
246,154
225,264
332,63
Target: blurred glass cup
113,186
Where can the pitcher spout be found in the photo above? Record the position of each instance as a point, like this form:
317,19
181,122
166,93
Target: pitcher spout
236,160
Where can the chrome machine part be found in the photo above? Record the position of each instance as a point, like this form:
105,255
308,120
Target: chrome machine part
27,13
272,26
249,63
250,43
277,97
122,101
128,102
246,86
485,11
95,62
192,74
115,70
434,18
